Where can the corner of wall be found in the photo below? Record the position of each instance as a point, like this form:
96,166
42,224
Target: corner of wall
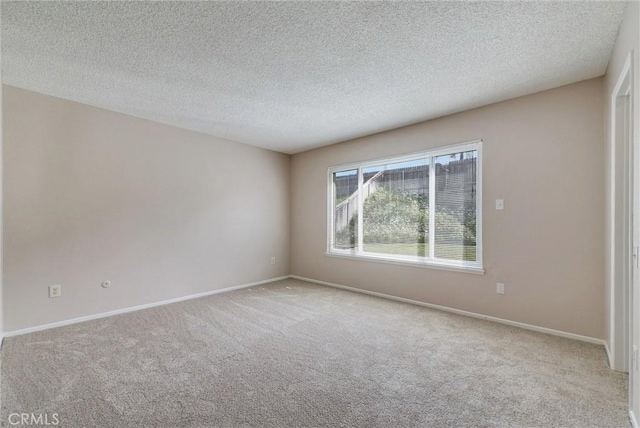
1,200
290,214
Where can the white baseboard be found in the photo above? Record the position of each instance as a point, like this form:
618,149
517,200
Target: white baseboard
459,312
609,356
315,281
632,418
136,308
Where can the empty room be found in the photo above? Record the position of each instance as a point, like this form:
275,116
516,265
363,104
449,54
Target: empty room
320,214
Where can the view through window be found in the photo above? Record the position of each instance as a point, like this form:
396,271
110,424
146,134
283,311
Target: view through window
421,208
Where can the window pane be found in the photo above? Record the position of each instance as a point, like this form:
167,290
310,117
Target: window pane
345,216
395,209
455,206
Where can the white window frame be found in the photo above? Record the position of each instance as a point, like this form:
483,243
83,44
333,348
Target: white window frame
425,262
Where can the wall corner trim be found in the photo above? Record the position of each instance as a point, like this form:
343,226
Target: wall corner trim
460,312
136,308
609,357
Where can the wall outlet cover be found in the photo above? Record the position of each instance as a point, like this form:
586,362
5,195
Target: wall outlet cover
55,291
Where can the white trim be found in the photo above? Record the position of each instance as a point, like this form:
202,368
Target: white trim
609,356
314,281
624,73
479,196
459,312
632,418
633,306
137,308
406,261
330,211
436,151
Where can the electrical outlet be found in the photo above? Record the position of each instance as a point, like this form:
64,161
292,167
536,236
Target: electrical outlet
55,291
500,288
273,260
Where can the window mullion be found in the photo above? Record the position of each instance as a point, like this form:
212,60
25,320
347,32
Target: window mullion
360,210
432,207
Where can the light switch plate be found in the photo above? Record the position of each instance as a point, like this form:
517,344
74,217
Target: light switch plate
499,204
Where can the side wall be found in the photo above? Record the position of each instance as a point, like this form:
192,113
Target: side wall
1,200
628,42
93,195
543,155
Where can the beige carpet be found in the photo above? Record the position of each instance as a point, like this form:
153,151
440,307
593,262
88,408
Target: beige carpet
293,354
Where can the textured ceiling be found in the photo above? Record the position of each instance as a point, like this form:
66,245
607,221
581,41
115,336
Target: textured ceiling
293,76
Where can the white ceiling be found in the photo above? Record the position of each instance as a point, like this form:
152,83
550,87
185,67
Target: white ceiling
298,75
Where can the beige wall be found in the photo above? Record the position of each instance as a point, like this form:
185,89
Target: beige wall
628,41
162,212
1,199
543,155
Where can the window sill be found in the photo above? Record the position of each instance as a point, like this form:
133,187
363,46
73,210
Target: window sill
408,262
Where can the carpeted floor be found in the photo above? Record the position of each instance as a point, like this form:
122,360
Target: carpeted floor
293,354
